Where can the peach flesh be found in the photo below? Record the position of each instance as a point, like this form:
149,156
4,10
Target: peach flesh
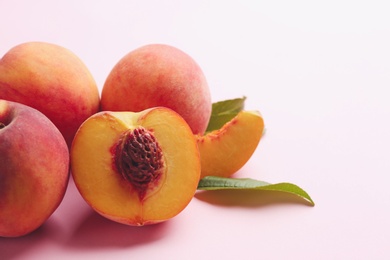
107,191
223,152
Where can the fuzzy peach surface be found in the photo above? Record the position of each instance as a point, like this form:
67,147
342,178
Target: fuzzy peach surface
163,76
51,79
34,169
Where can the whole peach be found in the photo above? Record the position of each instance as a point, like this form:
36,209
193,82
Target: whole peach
34,169
51,79
159,75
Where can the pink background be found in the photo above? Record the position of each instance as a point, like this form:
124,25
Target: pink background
318,72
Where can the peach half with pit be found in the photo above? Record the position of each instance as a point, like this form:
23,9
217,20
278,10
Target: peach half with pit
159,75
226,150
51,79
34,169
136,168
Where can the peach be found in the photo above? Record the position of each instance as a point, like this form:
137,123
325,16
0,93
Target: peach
226,150
52,80
34,169
136,168
159,75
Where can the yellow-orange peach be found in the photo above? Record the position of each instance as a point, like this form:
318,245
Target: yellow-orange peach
223,152
159,75
34,169
136,168
51,79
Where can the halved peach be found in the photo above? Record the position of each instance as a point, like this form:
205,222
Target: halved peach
136,168
226,150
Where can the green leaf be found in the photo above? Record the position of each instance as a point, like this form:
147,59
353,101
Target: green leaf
223,111
228,106
221,183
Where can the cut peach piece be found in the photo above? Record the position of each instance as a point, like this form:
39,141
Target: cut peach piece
136,168
223,152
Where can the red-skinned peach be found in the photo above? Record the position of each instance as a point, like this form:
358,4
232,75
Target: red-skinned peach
159,75
34,169
51,79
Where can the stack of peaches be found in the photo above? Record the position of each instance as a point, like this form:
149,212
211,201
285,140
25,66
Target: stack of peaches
136,151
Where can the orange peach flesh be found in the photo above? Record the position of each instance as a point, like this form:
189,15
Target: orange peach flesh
223,152
103,187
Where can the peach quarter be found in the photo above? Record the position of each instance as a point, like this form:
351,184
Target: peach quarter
223,152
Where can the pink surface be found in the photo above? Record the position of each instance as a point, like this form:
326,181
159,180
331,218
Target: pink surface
319,74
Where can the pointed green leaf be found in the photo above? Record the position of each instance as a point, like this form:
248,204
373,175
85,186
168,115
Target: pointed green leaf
223,111
220,183
228,106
